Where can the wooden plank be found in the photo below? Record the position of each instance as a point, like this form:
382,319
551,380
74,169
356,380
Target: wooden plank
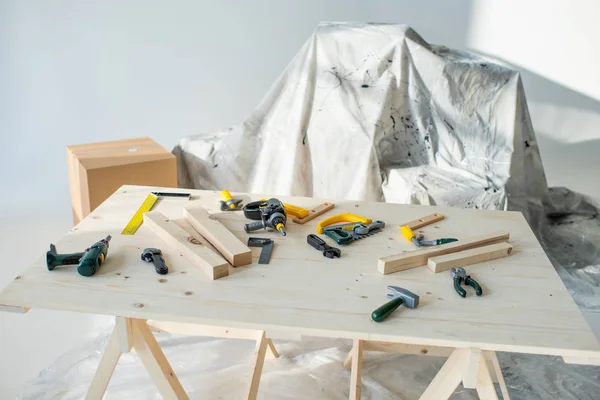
426,220
582,360
14,309
356,371
314,213
496,372
471,372
234,251
208,261
405,348
284,296
448,377
418,258
125,332
469,257
272,349
156,363
259,360
485,386
106,367
348,360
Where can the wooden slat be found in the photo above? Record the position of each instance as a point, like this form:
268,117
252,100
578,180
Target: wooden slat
259,360
147,348
426,220
448,378
582,360
106,367
314,212
471,371
496,372
14,309
211,263
485,386
469,257
418,258
356,372
236,252
125,332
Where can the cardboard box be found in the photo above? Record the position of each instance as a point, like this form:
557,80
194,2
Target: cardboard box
96,170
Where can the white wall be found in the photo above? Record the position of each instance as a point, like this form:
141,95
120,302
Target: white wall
76,71
554,43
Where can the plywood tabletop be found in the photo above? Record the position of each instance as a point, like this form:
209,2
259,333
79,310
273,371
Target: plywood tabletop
525,306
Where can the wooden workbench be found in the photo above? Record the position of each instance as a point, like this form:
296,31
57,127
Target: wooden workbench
525,307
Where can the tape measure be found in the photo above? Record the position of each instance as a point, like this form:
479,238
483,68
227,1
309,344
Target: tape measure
138,217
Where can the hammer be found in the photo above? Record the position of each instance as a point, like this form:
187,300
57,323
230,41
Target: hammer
151,255
399,296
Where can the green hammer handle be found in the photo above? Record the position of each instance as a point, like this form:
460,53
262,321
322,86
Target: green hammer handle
385,310
473,283
459,289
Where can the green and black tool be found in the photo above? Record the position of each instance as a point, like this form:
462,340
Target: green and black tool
460,275
399,296
89,261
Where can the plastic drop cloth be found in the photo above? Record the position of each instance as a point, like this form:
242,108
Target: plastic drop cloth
372,112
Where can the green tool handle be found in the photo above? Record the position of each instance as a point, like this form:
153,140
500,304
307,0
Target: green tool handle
473,283
385,310
340,235
53,259
459,289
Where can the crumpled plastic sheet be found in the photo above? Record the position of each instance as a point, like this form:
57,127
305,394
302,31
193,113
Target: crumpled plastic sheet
210,368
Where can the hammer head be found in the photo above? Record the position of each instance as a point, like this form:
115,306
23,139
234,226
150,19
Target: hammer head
411,300
149,252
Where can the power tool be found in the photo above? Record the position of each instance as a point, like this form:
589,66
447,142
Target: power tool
89,261
269,214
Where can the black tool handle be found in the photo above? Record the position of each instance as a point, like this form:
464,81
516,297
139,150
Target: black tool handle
316,242
473,283
254,226
461,292
252,210
159,264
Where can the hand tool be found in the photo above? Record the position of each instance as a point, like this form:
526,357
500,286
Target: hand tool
321,245
152,255
346,233
459,275
418,240
294,211
89,261
146,206
267,248
399,296
345,217
271,214
229,203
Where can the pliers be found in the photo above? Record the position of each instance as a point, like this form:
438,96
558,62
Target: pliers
460,275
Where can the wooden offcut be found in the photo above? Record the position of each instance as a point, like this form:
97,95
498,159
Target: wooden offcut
236,252
314,212
418,258
426,220
201,256
469,257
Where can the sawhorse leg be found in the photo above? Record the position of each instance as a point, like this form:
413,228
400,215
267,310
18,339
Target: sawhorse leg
475,368
264,345
128,333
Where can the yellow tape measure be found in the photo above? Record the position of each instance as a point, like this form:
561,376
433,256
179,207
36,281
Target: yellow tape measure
138,217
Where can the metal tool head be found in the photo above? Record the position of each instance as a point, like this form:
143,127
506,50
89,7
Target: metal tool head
226,205
411,300
149,252
460,272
